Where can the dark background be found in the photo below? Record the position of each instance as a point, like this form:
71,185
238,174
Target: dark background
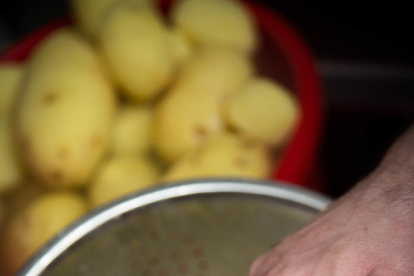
365,57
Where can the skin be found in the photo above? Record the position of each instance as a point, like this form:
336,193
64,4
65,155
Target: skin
367,232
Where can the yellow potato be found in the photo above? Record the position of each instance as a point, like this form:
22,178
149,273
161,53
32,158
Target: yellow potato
182,47
225,156
190,114
37,224
263,110
65,115
183,121
120,176
22,196
11,75
132,130
215,70
10,168
134,41
89,13
222,22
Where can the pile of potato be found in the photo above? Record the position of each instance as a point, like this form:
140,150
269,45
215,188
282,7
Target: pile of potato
124,100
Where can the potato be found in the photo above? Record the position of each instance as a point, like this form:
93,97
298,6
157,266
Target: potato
183,121
190,114
225,156
22,196
11,75
132,130
89,13
65,115
215,70
120,176
182,47
10,169
37,224
263,110
133,39
222,22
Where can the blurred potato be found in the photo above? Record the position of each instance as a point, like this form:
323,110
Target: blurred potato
122,175
183,121
21,196
11,75
134,41
38,223
89,13
66,110
214,70
263,110
132,130
215,121
226,156
216,22
10,168
182,47
190,113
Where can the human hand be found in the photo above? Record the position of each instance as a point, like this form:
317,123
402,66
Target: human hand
368,232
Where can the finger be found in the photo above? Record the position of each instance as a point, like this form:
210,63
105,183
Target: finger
271,261
257,264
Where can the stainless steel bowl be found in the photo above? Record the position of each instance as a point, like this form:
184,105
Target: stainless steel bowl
201,228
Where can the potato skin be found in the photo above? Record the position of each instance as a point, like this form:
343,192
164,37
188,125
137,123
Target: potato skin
216,22
182,48
37,224
134,42
215,70
11,172
121,175
263,110
89,13
190,113
65,111
21,196
132,130
184,120
226,156
11,75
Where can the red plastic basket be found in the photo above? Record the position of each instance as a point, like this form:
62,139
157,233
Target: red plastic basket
283,56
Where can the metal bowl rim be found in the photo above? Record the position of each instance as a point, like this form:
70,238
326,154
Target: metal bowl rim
40,261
